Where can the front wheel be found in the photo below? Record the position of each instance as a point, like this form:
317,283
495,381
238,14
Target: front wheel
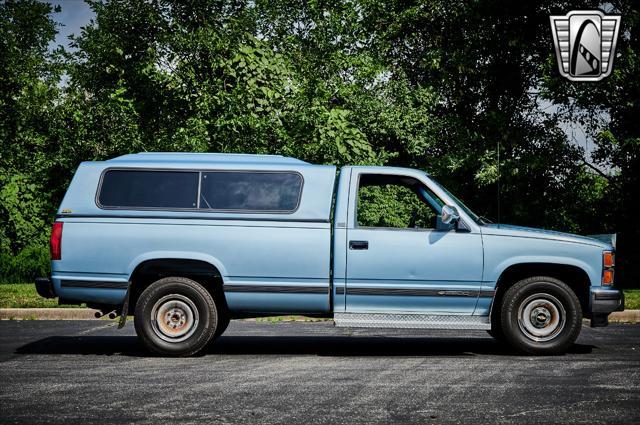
541,315
175,316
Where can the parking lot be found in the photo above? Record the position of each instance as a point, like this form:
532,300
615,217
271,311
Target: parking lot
299,372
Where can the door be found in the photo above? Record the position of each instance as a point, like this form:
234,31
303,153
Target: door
400,256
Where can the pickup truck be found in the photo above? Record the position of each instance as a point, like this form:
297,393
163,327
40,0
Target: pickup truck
186,242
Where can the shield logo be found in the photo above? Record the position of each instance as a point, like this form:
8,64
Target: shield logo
585,42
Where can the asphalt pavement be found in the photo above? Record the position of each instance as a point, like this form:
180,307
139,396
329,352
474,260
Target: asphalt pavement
78,372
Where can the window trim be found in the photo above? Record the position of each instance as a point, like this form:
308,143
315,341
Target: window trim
199,172
357,201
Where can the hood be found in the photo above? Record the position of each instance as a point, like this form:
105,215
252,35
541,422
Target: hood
532,232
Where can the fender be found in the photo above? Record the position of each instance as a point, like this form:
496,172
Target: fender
182,255
492,276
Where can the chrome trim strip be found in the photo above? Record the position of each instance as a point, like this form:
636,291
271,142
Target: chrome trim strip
419,292
280,289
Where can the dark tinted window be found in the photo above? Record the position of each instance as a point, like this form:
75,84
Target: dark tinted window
252,191
149,189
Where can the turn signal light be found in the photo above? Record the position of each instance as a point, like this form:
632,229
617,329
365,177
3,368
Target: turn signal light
56,241
607,277
608,259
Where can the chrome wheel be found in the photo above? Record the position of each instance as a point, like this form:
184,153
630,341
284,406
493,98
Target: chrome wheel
541,317
174,318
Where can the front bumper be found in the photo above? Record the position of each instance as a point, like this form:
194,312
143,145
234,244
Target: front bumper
604,301
44,286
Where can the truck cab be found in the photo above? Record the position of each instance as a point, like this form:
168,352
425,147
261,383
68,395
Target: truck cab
187,242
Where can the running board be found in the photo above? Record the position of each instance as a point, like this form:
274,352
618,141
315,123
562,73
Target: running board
410,321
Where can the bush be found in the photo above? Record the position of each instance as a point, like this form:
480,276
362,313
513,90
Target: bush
29,263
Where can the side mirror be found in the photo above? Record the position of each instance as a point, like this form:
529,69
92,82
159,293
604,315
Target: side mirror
450,214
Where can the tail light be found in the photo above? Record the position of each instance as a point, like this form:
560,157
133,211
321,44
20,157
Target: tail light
608,259
56,241
608,264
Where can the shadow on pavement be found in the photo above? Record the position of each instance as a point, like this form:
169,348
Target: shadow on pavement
289,345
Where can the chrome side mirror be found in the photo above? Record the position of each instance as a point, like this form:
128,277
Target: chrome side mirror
449,214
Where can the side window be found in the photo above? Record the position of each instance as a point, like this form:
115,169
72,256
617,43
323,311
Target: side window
396,202
148,189
251,191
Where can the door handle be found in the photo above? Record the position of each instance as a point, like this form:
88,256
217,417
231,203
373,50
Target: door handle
358,244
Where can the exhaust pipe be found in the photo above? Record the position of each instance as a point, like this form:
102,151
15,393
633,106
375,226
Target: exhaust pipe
111,314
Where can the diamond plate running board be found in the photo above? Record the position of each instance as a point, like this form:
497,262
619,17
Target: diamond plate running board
410,321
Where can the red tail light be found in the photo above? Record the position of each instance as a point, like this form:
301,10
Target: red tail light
56,241
608,263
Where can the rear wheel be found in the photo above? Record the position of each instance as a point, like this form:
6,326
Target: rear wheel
541,315
176,316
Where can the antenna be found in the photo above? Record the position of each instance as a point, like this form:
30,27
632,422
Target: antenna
498,148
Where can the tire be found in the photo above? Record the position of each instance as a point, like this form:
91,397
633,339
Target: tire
541,315
496,330
189,311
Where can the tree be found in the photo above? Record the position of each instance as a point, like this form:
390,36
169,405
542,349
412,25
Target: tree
609,110
28,92
453,87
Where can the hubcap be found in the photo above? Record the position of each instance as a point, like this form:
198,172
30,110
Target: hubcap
541,317
174,318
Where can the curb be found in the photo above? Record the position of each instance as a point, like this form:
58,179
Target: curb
48,314
627,316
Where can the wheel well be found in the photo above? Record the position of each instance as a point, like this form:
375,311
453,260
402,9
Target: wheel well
150,271
575,277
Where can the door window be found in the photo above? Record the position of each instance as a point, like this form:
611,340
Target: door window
396,202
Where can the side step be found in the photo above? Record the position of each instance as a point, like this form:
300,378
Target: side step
410,321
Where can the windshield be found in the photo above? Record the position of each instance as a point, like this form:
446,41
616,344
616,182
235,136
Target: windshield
479,220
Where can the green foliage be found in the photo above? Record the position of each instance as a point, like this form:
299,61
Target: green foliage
21,209
27,264
24,295
393,206
438,85
632,299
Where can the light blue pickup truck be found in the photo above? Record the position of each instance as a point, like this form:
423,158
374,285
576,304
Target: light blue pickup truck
186,242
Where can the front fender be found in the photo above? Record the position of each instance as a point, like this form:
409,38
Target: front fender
493,274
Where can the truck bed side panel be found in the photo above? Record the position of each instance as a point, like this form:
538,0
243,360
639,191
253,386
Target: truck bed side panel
266,267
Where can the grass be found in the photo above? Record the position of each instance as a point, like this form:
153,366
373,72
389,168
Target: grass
632,299
24,295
